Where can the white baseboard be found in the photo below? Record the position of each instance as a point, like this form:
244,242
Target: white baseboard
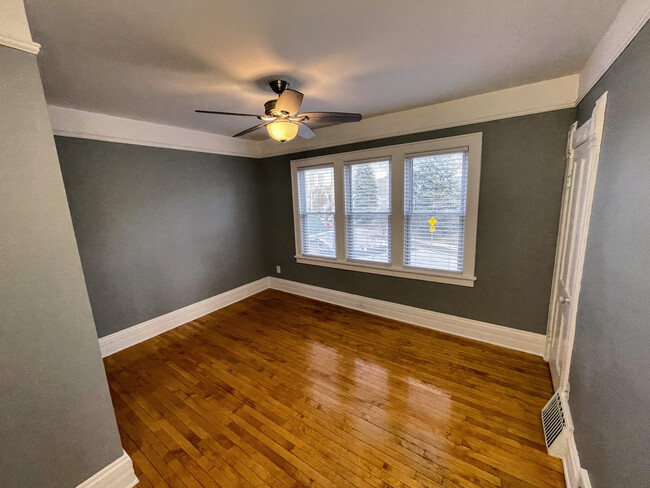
574,475
118,474
472,329
113,343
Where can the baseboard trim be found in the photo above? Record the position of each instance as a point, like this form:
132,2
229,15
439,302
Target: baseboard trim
118,341
498,335
118,474
574,475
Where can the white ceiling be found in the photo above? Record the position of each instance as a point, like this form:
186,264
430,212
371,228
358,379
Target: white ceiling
159,60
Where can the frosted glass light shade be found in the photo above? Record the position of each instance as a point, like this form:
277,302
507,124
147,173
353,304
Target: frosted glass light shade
282,130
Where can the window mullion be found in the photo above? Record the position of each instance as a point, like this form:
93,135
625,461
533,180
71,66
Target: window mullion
339,204
397,210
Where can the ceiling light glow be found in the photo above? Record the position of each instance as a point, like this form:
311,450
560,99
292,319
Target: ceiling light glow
282,130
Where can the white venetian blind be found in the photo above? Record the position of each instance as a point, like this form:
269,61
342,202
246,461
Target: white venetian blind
435,196
367,211
316,208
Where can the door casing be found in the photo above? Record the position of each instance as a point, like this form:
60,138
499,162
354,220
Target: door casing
583,153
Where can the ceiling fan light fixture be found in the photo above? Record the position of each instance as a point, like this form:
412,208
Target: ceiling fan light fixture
282,130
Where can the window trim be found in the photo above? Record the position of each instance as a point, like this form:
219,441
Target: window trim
396,154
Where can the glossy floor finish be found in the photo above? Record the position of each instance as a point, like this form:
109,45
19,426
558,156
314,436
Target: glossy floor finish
283,391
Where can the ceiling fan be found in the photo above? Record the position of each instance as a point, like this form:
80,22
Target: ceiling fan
281,117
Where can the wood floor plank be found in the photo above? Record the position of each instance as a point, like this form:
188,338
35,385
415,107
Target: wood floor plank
283,391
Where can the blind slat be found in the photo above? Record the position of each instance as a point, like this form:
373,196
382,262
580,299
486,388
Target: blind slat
435,187
367,211
317,211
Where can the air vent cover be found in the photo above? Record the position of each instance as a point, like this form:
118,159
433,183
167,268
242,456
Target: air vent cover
558,426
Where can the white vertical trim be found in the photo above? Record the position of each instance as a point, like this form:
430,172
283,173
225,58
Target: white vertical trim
594,139
339,208
475,150
118,474
296,210
631,18
574,475
589,136
397,209
561,236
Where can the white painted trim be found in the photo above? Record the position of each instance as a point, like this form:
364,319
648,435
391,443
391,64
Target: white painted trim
630,19
498,335
558,245
22,45
397,155
574,475
529,99
544,96
510,338
113,343
89,125
589,136
118,474
539,97
14,29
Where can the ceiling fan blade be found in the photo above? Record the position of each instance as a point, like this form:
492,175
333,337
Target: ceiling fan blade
251,129
289,101
226,113
304,131
330,117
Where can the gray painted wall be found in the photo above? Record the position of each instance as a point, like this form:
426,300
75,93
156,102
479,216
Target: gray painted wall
610,371
520,197
159,229
57,426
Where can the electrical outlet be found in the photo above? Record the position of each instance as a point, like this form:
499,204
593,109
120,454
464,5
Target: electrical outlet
278,270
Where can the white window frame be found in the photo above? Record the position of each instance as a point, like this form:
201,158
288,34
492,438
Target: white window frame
397,154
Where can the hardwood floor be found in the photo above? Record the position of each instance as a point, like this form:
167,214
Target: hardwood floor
283,391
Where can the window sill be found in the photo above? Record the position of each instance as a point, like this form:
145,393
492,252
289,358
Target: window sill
439,277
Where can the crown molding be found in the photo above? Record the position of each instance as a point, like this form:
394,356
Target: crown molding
14,29
90,125
555,94
630,19
539,97
534,98
22,45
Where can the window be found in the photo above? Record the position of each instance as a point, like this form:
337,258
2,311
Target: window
316,197
367,211
435,194
407,210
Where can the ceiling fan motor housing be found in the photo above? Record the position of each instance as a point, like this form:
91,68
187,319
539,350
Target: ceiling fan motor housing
269,107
